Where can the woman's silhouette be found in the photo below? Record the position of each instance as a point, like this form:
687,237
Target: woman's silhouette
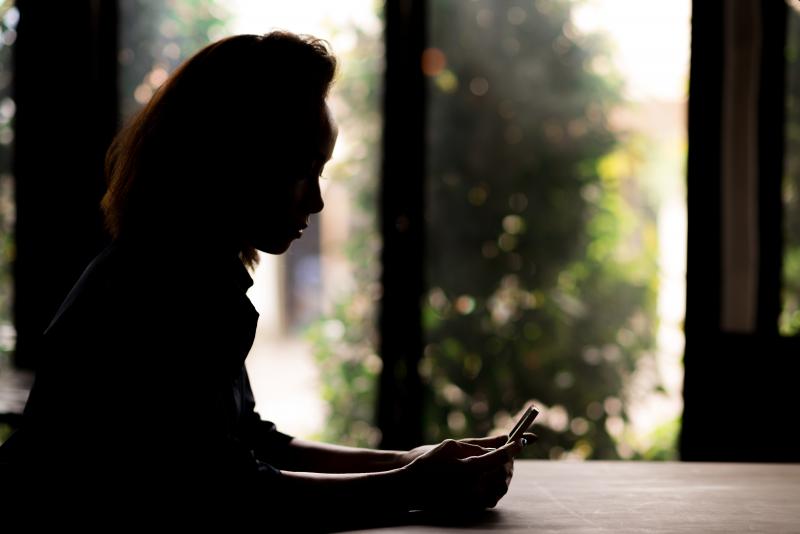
142,397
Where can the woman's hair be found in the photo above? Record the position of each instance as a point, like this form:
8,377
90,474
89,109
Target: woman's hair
238,109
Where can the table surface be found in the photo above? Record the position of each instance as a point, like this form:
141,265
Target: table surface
634,497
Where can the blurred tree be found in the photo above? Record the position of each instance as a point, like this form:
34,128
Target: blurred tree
156,36
542,248
345,339
8,23
790,316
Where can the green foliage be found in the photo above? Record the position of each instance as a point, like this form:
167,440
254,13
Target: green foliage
543,283
662,442
345,340
542,239
8,22
542,247
5,432
790,314
157,36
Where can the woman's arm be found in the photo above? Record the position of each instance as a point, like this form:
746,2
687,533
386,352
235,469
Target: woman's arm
312,456
309,499
449,476
305,455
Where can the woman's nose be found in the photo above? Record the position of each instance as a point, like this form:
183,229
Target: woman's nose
314,198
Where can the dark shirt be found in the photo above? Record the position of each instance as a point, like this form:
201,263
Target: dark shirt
142,380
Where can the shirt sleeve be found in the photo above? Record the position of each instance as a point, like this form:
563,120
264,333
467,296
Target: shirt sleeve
269,444
138,382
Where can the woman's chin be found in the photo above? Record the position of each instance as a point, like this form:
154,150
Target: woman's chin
274,247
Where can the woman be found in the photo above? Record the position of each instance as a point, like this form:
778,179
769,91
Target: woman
143,393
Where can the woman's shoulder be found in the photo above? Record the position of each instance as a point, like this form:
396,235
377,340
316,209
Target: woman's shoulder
112,281
135,281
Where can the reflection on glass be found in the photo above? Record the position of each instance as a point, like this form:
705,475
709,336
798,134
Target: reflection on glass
313,365
556,222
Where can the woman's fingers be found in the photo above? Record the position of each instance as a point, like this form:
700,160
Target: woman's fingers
530,437
496,458
497,441
509,472
459,449
489,441
464,473
493,486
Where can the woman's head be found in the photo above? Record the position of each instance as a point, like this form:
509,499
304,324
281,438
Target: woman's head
228,151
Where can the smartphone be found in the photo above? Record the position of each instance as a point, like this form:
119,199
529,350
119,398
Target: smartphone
523,423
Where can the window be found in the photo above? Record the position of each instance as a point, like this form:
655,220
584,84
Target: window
555,218
557,222
314,343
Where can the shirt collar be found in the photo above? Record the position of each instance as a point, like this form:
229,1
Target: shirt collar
232,264
243,278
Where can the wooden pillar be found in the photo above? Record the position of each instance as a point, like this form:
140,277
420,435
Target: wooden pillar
740,375
402,223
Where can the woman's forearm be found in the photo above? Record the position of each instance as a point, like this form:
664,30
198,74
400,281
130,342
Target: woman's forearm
330,497
448,476
312,456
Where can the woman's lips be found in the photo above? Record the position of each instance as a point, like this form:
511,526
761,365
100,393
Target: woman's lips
299,226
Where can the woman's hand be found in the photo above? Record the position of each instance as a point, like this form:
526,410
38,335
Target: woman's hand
406,457
488,443
457,474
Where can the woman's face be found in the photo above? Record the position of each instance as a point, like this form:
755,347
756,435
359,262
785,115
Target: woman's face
282,218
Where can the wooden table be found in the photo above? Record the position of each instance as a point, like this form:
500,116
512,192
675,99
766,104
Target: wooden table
634,497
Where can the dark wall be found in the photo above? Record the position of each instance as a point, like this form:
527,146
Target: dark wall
65,87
